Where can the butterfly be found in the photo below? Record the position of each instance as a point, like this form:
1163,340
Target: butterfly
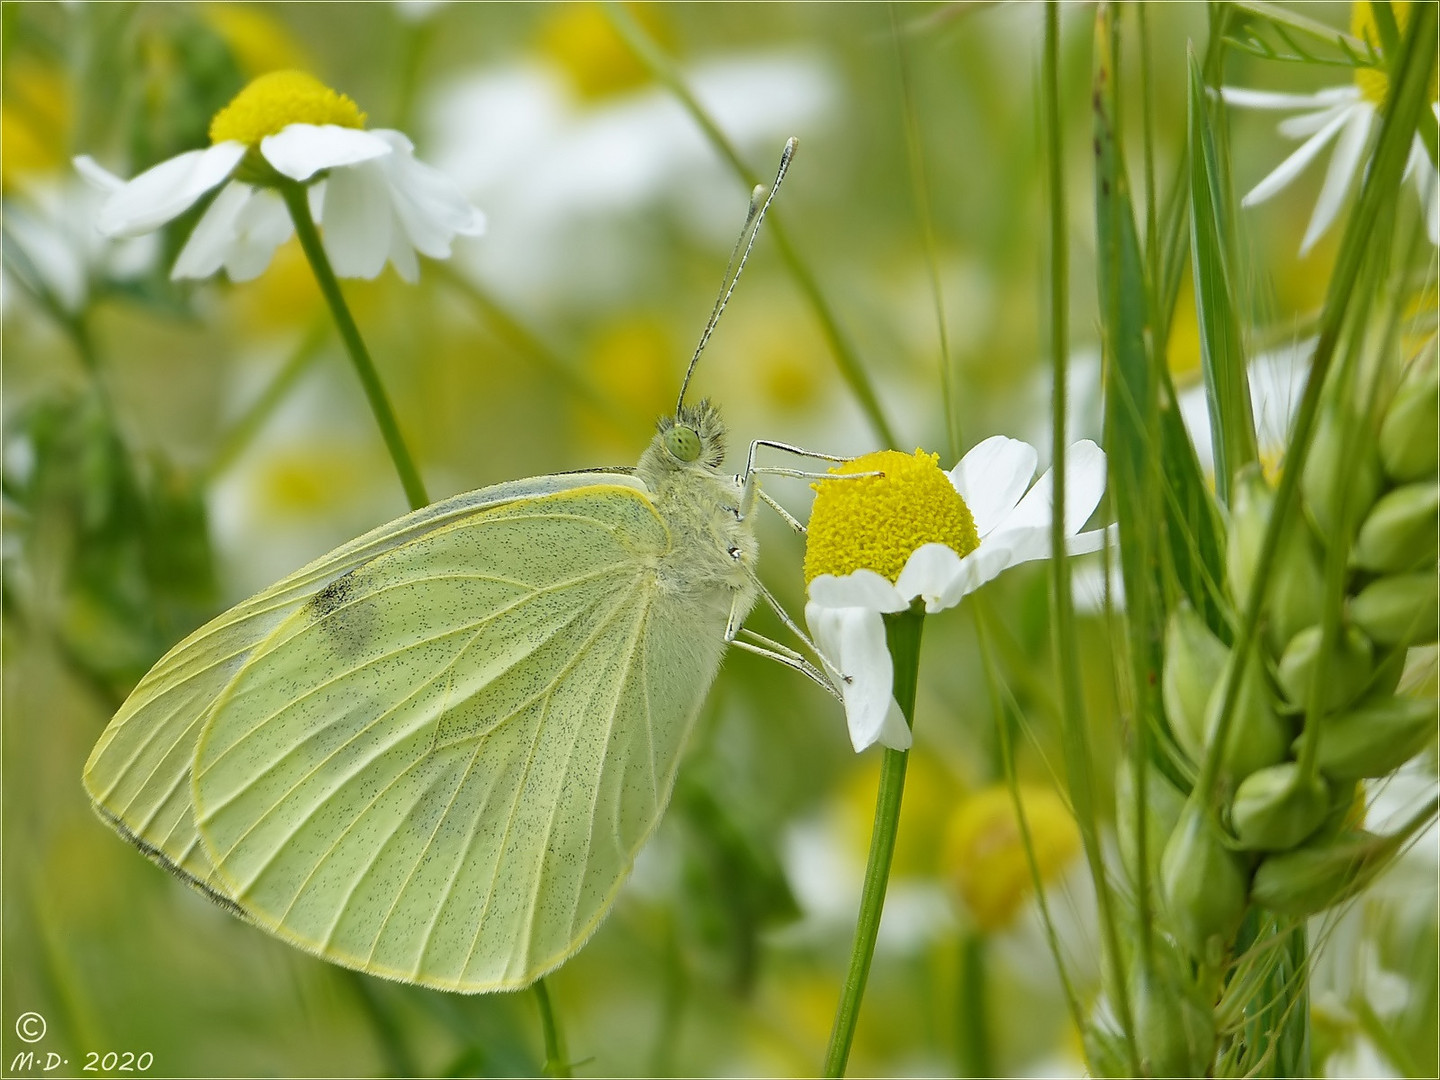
434,753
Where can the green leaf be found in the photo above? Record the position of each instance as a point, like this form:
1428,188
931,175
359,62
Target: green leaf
1222,356
1143,422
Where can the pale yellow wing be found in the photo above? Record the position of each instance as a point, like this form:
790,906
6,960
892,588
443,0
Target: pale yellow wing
138,775
442,768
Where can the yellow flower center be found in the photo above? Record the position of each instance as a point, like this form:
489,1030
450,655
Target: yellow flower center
278,99
582,40
984,854
1372,81
876,522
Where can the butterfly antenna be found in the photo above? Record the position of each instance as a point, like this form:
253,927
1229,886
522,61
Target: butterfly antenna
759,203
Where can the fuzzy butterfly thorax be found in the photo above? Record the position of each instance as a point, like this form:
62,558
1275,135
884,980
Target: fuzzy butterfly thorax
713,547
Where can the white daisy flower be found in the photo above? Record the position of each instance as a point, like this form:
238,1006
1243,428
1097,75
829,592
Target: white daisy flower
877,544
374,201
1277,382
51,225
1346,116
568,169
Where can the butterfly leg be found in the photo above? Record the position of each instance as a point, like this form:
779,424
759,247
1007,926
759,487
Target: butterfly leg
750,489
773,650
785,515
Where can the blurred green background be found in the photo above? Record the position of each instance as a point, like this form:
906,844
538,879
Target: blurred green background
172,447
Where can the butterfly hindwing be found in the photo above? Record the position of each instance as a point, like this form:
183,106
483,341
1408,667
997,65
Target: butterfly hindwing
441,767
138,775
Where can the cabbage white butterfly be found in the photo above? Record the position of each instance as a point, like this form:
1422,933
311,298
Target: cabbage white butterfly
434,753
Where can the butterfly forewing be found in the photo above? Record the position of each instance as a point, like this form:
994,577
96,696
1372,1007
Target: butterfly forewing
139,772
441,768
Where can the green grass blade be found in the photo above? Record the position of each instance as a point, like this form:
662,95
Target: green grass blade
1222,356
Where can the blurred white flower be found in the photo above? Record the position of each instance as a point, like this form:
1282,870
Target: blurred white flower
1277,382
876,544
51,229
1341,111
551,163
374,201
1344,115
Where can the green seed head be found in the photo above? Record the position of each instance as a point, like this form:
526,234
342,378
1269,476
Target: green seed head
1375,738
1163,805
1344,446
1398,610
1346,670
1259,736
1194,661
1320,874
1174,1027
1276,808
1204,885
1399,534
1408,434
1296,578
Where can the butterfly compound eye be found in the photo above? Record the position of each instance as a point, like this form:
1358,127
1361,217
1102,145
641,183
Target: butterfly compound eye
683,442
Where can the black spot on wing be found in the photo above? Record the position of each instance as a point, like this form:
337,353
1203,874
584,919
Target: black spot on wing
333,596
345,613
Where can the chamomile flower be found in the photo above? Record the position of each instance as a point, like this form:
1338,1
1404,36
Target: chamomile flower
374,201
985,856
876,544
1346,116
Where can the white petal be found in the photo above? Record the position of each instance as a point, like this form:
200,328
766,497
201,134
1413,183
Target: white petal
59,264
214,234
430,206
96,175
987,562
1265,99
1293,165
894,732
1084,484
860,589
315,196
864,658
402,256
431,209
299,151
1086,542
992,477
1344,164
262,226
1297,127
928,574
166,191
853,639
358,220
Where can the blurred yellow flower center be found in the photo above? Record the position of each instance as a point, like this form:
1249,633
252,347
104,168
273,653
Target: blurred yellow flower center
876,522
985,850
1372,81
278,99
582,39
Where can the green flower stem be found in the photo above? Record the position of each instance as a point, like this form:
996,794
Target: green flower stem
972,1019
299,207
902,635
556,1063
